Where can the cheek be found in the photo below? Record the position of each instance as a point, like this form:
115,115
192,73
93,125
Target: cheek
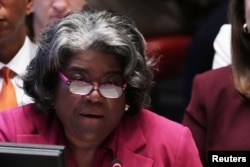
65,101
117,108
77,4
65,105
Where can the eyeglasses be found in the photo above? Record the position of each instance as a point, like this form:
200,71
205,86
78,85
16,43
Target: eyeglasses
84,88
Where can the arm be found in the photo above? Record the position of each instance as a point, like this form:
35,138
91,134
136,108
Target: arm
187,151
7,130
195,117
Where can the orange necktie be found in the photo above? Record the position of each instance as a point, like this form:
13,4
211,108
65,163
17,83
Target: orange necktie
7,94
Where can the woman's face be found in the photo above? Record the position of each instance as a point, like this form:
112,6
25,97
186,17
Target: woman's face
89,119
46,11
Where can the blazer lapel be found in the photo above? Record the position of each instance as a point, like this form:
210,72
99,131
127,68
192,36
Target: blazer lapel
131,141
41,131
134,159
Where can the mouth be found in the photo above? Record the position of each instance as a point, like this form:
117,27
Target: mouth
2,20
55,17
92,116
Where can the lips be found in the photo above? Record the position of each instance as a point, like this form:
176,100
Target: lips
2,20
92,116
3,24
55,17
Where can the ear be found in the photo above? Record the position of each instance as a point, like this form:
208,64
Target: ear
29,6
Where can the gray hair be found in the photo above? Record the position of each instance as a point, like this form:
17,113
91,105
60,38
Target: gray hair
78,31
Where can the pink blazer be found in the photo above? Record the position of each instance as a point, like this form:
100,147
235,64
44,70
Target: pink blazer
146,140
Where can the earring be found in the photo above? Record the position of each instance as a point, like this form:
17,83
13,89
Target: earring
126,107
245,29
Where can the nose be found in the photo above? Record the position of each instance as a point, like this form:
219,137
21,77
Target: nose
60,6
94,95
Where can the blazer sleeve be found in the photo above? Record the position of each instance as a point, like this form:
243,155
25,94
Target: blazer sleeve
7,130
195,116
187,154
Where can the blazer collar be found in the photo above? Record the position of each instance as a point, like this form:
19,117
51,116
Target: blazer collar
131,139
41,129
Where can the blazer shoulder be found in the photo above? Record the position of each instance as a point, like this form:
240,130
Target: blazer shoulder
169,139
222,73
17,121
160,128
215,80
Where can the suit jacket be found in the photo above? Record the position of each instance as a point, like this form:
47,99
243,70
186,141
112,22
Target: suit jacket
145,140
217,115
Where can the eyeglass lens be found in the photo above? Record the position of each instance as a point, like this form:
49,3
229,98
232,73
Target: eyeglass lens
108,91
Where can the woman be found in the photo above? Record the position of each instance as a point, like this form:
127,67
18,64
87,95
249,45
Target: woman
89,80
218,113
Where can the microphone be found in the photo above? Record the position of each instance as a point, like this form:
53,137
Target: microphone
116,163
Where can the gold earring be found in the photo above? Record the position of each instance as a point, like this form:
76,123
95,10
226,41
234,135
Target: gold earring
126,107
245,29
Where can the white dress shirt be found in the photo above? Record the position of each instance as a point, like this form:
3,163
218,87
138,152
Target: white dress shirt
222,47
18,65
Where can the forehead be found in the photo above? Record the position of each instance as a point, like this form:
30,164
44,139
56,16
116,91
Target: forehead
15,8
94,61
13,3
73,4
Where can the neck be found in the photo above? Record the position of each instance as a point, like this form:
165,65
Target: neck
84,158
83,153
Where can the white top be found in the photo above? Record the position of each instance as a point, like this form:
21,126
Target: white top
222,47
18,64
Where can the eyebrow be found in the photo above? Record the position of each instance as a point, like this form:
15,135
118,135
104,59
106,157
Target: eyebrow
75,69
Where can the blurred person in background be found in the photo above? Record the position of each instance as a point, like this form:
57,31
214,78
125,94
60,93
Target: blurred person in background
218,113
16,51
46,11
